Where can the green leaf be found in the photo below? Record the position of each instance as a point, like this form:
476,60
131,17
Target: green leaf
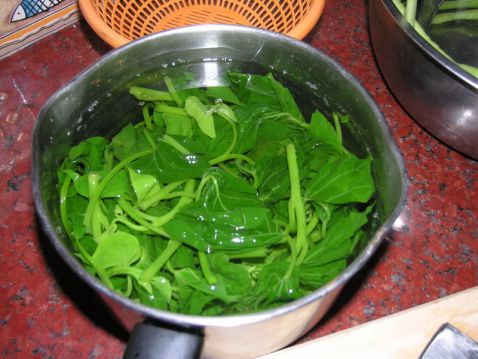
218,145
317,276
327,252
151,248
204,118
89,153
157,293
344,223
191,301
224,192
81,185
128,142
76,211
246,217
192,278
178,125
273,178
254,89
118,186
204,235
88,243
274,286
169,165
183,257
223,93
285,98
144,185
236,276
322,129
117,249
342,180
247,129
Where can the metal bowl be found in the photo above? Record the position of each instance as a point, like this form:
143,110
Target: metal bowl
436,92
97,103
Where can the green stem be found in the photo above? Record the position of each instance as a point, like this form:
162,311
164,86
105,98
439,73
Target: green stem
325,221
179,194
260,252
206,270
227,170
338,128
455,16
145,94
289,117
201,185
472,70
183,201
64,218
231,156
124,270
96,227
137,216
292,219
160,195
297,202
147,116
133,226
94,198
172,90
159,262
458,4
411,11
148,137
96,218
170,109
313,222
129,287
104,277
63,210
177,146
233,142
293,258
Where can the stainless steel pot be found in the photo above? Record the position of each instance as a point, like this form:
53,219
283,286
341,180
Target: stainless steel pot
97,103
437,93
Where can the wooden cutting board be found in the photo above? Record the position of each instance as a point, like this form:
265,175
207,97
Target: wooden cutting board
401,335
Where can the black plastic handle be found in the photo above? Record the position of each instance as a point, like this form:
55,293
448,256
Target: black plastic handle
148,341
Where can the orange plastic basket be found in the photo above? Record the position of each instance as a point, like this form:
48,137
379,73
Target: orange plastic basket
120,21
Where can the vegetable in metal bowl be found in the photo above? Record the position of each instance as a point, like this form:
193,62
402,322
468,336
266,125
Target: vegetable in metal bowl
436,91
89,130
221,200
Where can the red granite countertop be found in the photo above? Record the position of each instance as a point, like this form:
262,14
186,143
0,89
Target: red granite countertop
46,313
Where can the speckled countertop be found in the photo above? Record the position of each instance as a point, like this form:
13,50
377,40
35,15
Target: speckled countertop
45,312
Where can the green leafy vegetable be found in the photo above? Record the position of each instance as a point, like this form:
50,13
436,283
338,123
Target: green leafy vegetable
221,200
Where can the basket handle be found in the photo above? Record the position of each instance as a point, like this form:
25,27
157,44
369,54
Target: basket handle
149,341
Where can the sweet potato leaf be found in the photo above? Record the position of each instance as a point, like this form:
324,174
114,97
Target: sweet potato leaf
222,200
129,141
156,293
117,249
342,180
323,130
168,165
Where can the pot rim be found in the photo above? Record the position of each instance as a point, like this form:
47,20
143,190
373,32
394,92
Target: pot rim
234,319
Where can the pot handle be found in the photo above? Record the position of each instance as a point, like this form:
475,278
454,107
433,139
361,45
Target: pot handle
148,341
